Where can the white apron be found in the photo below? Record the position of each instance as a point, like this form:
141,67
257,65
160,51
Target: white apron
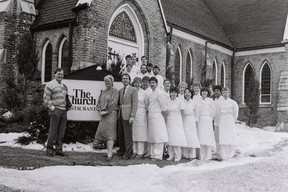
140,123
205,127
175,128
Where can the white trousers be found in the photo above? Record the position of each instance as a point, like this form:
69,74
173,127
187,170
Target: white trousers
174,151
227,151
216,131
189,152
156,150
205,152
139,147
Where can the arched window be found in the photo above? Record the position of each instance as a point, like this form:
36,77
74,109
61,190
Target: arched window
223,75
178,66
63,61
214,72
188,67
46,74
125,34
265,73
247,75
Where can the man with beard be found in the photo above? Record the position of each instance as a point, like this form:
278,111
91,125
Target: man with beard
143,70
149,70
159,77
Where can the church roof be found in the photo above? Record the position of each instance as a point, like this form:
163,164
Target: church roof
251,23
240,24
195,17
53,11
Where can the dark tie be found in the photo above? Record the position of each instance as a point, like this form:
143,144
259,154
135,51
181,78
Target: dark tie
124,90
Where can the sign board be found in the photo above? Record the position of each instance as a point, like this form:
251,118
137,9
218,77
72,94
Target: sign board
84,96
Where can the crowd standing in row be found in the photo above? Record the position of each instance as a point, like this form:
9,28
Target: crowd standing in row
148,116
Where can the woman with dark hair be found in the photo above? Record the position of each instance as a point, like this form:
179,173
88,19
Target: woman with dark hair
228,112
176,135
191,116
107,106
205,126
139,128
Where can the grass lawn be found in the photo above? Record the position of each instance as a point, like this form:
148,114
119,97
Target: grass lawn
24,159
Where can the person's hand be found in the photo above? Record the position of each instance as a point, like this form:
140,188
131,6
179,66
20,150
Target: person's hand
131,120
103,113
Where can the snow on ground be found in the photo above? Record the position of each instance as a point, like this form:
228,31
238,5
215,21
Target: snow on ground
244,173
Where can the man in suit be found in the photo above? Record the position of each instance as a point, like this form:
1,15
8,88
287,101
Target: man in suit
128,102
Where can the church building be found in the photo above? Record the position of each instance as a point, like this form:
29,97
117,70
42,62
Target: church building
230,38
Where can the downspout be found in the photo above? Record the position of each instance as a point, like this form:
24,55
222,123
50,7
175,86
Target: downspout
71,27
232,74
206,46
204,68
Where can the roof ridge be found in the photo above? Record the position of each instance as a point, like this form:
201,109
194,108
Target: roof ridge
219,24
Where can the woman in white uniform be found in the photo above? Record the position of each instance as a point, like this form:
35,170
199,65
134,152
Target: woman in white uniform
176,135
191,116
182,86
139,128
228,110
205,127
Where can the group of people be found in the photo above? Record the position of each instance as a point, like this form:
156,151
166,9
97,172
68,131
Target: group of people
148,116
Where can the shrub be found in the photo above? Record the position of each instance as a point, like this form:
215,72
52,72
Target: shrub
252,100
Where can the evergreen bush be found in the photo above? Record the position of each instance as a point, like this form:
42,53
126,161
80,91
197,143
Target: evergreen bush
253,99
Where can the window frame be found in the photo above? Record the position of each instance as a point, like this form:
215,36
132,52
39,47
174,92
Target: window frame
261,71
43,62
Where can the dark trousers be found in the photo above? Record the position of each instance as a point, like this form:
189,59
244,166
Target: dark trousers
58,120
124,135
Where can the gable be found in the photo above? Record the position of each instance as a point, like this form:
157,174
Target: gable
251,23
194,16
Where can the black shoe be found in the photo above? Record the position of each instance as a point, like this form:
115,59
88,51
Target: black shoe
126,157
60,153
119,154
50,153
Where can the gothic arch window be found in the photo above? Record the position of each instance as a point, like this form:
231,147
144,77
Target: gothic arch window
178,66
247,73
47,53
223,75
63,61
265,82
214,72
188,67
125,34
